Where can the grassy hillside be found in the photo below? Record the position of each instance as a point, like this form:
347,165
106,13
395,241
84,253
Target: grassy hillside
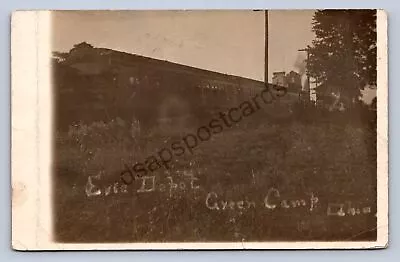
261,180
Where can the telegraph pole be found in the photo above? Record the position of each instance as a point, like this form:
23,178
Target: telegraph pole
266,49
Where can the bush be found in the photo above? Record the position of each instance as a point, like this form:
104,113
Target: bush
98,148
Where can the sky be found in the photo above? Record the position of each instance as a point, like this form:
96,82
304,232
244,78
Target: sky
230,42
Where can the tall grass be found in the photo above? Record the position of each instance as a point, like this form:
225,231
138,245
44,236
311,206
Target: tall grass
336,161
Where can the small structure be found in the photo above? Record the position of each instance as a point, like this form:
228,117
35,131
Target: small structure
279,78
292,80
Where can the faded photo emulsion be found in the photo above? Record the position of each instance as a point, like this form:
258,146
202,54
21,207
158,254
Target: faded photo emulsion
243,129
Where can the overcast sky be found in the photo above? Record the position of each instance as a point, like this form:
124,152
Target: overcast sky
230,42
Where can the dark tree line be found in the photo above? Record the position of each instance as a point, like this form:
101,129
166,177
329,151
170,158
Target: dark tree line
343,54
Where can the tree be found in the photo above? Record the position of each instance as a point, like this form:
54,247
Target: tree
343,54
81,51
81,47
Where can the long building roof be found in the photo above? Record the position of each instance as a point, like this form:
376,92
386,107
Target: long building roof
129,59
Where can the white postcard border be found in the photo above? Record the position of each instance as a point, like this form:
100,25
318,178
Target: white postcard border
32,120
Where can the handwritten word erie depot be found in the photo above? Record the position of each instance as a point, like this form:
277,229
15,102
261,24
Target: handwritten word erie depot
145,184
273,200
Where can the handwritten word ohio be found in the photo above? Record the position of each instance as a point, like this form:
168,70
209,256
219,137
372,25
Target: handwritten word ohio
347,209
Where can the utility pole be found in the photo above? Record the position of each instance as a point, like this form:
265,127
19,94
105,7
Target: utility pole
266,49
308,75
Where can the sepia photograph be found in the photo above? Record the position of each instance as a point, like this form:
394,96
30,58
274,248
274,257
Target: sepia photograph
237,129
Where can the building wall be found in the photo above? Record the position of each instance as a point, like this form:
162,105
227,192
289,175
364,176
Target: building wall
129,85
